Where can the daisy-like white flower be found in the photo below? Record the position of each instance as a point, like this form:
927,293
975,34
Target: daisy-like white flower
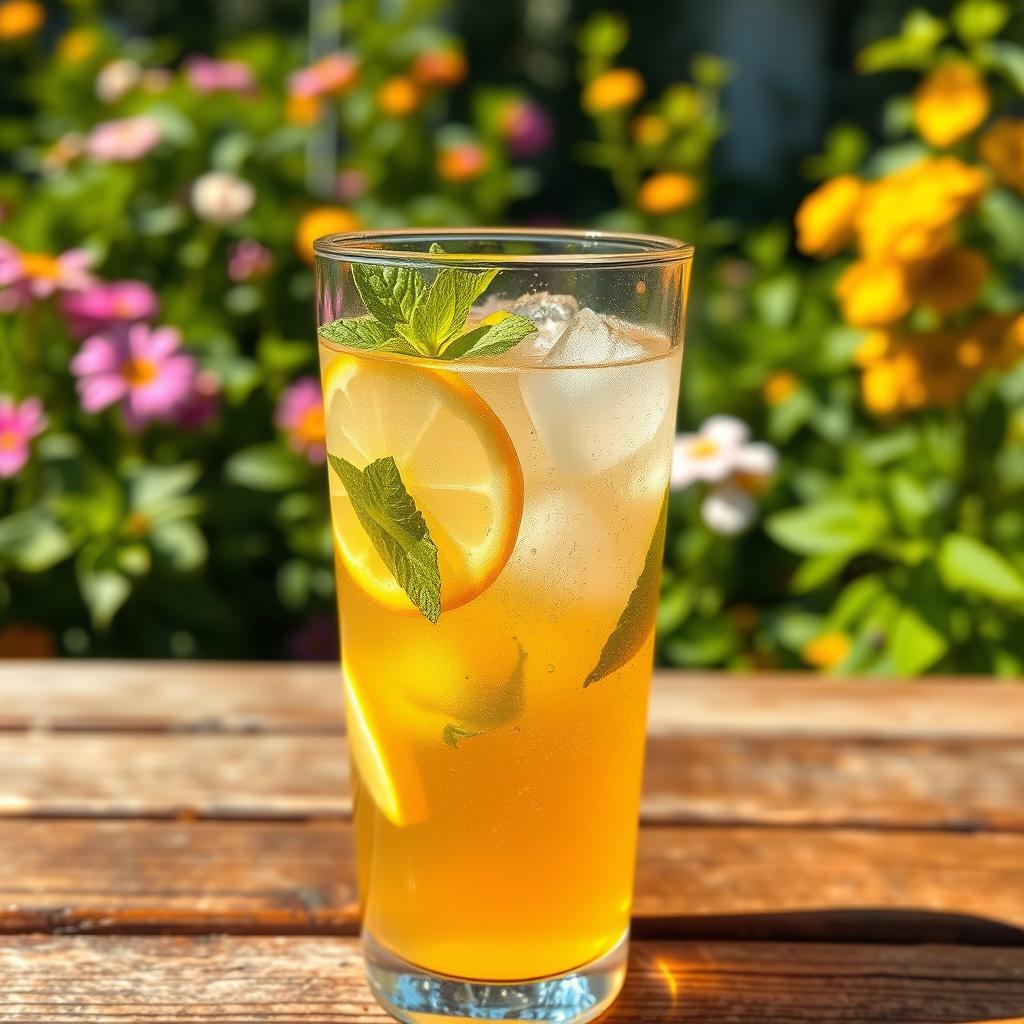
221,197
736,469
117,79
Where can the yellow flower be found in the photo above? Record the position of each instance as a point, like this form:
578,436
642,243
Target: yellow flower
824,220
440,67
872,348
950,103
827,651
461,163
399,96
322,220
76,45
1002,148
666,192
650,130
910,215
21,18
873,293
301,109
779,386
612,90
950,281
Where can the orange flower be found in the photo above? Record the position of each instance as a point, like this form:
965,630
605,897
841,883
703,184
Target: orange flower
827,650
873,294
650,130
302,109
440,68
910,214
612,90
24,640
666,192
461,163
824,221
1002,148
320,221
399,96
76,45
950,103
779,386
21,18
950,281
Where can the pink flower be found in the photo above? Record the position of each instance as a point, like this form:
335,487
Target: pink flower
526,128
208,74
248,259
18,425
25,276
330,75
202,405
300,414
350,184
123,140
139,366
107,304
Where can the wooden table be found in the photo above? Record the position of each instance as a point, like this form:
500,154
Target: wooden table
175,845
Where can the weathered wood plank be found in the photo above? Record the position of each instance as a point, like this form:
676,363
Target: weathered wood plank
230,980
298,877
278,697
954,784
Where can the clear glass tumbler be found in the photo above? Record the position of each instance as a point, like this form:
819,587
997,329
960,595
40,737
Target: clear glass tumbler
500,408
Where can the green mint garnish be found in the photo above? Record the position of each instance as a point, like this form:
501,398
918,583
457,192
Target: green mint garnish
637,618
405,314
396,528
505,706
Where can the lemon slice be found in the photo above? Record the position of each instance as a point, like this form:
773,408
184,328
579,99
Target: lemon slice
456,461
393,783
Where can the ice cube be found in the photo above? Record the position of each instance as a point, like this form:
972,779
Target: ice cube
589,413
543,306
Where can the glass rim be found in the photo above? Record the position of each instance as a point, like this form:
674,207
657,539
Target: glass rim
372,246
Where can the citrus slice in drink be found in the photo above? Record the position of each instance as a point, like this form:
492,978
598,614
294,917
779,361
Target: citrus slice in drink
393,783
455,458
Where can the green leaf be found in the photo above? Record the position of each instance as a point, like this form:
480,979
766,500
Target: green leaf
364,332
103,587
604,34
1008,59
181,542
967,563
637,618
830,526
396,528
914,645
441,313
451,734
919,34
266,467
490,339
389,293
505,706
152,486
32,540
977,20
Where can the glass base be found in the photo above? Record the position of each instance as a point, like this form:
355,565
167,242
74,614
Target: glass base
416,996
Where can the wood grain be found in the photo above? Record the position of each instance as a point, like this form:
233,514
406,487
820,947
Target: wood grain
947,784
223,696
231,980
298,878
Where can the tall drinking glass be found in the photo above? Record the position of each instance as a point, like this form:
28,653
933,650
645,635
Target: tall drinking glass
500,407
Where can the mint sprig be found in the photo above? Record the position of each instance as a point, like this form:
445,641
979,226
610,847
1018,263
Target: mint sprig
637,618
405,314
396,529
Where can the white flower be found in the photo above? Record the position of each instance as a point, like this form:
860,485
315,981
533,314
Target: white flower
117,78
728,509
718,450
221,197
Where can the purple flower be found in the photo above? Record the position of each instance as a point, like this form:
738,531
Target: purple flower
202,405
25,276
209,74
19,423
104,305
139,366
248,259
526,127
123,140
300,414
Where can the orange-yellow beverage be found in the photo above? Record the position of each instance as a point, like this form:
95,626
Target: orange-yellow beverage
496,752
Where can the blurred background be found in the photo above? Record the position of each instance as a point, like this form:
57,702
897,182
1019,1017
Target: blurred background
851,171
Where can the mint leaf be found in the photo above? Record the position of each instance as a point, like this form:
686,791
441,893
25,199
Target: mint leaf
363,332
396,527
504,706
435,248
442,312
389,293
637,618
490,339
